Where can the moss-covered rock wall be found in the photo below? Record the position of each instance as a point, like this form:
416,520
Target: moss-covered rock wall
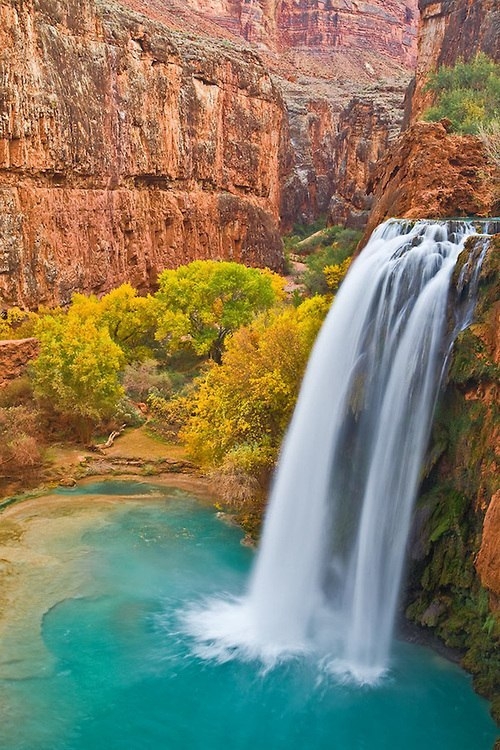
454,577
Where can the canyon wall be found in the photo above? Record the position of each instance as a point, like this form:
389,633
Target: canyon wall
450,30
15,357
343,68
430,173
145,134
125,148
385,26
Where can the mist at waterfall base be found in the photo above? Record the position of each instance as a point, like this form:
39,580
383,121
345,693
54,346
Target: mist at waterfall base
329,567
119,673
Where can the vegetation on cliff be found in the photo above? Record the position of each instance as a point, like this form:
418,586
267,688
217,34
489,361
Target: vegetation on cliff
467,94
445,592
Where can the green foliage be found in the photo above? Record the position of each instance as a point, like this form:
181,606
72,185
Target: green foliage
300,231
248,400
467,94
76,372
335,254
200,304
127,413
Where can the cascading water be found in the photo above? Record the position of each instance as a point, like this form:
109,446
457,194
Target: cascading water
329,568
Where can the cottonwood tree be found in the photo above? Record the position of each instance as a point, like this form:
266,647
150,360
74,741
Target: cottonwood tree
77,371
129,318
201,304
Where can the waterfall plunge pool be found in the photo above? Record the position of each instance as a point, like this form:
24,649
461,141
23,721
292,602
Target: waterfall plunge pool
94,655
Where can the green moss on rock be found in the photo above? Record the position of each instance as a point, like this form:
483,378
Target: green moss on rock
444,592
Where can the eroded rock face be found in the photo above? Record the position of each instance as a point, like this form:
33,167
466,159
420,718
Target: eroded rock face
367,128
126,148
488,559
451,30
386,26
140,136
343,68
14,358
432,174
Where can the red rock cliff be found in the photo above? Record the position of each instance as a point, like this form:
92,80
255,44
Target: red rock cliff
126,147
343,68
429,173
385,26
141,135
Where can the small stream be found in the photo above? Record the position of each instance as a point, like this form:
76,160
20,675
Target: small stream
120,673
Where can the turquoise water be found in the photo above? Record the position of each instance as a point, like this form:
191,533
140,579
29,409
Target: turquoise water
124,675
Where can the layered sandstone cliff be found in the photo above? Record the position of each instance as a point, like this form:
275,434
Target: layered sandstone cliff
343,67
125,148
141,135
384,26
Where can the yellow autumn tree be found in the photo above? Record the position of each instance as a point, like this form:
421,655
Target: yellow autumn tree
76,374
242,407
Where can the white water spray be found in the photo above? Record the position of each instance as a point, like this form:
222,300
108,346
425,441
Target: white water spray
329,568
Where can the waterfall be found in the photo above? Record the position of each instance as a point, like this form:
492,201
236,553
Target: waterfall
329,567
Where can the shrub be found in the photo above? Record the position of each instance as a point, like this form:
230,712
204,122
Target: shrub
490,136
467,94
142,378
20,440
335,254
17,392
17,324
334,275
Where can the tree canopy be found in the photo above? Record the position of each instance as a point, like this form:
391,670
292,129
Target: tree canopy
247,401
129,318
202,303
77,370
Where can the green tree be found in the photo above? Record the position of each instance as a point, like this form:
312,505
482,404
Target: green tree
76,372
201,304
468,94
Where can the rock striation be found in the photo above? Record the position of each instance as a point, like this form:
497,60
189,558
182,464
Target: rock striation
143,134
384,26
126,147
329,58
